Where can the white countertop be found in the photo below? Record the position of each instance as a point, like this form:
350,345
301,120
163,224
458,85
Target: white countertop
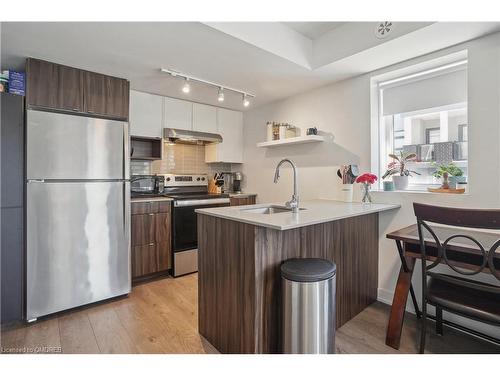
316,211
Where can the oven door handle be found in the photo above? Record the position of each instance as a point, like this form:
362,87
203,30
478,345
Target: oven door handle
201,202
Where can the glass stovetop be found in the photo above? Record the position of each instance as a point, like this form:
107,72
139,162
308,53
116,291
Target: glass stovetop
186,196
180,196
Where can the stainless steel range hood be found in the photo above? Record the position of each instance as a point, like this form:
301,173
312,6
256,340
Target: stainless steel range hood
190,137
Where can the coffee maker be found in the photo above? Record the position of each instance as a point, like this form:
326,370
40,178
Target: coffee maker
237,177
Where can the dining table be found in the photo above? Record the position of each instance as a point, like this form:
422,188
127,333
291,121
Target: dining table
461,253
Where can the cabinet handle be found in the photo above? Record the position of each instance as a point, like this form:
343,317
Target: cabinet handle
151,214
152,244
76,109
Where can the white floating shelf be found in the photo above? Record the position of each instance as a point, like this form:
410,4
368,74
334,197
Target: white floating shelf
292,141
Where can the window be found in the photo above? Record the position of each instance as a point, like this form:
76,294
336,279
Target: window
424,114
432,135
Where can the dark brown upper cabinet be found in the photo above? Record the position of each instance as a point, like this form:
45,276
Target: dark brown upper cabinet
62,88
53,86
105,95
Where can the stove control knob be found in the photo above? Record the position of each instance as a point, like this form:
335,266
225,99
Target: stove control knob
168,178
198,179
203,178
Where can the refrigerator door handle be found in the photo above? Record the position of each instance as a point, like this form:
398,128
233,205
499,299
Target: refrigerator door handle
126,156
126,205
126,225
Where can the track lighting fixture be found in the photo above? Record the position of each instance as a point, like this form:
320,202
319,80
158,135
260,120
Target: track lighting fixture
246,102
186,87
220,97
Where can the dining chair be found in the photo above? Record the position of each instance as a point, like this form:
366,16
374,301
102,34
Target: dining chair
458,294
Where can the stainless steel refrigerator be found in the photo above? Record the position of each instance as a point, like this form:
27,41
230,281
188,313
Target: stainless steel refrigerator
77,211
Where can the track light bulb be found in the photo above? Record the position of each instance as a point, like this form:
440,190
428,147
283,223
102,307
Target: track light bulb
220,97
186,88
246,102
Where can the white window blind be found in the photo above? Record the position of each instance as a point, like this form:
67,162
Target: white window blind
427,92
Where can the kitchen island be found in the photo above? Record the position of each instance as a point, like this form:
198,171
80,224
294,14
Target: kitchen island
240,253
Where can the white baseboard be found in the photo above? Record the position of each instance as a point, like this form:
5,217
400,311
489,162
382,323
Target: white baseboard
386,296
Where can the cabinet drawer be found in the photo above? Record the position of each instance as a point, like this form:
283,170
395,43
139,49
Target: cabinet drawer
243,201
150,207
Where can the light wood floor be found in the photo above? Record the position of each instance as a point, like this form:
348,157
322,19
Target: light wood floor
161,317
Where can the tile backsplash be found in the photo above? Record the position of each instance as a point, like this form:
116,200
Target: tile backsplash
179,159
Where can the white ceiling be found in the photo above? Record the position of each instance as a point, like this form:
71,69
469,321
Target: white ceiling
313,30
270,59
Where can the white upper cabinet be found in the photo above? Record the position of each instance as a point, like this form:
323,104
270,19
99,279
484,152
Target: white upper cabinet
146,112
204,118
230,127
178,114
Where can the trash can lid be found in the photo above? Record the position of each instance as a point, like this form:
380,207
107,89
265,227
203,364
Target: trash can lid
308,269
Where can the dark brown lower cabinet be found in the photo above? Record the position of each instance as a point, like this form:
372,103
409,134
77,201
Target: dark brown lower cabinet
144,260
243,201
151,233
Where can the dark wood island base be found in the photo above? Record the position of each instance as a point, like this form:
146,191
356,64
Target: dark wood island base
239,276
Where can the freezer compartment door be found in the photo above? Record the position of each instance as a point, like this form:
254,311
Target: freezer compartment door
63,147
78,248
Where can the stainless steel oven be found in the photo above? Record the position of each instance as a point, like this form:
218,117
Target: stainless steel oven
189,193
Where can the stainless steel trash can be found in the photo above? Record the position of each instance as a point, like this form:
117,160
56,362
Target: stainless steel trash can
308,306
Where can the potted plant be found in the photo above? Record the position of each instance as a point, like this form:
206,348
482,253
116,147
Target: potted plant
455,174
367,179
398,170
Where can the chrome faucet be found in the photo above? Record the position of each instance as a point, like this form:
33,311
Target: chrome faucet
294,202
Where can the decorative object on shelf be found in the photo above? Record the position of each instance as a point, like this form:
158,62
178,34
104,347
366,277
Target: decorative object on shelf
388,185
448,186
13,82
270,131
291,131
348,174
398,170
312,131
277,131
367,179
4,83
453,174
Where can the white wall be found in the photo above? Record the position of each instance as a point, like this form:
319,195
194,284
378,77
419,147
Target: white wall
343,111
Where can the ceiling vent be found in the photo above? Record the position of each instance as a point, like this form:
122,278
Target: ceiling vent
383,29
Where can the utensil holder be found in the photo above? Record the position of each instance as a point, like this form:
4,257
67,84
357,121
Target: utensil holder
347,192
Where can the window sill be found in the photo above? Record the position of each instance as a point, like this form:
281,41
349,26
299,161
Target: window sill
417,192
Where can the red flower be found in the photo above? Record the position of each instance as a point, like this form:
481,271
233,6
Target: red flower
366,178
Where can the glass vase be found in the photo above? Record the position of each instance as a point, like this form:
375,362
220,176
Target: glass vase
367,198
